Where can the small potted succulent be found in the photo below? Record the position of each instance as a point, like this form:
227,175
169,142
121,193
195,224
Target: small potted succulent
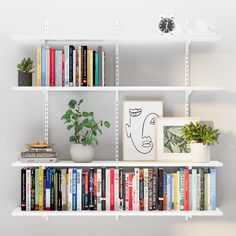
85,130
25,70
201,138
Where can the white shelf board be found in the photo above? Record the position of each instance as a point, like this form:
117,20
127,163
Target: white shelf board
119,88
18,212
119,164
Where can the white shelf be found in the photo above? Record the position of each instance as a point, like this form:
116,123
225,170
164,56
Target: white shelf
18,212
118,88
119,164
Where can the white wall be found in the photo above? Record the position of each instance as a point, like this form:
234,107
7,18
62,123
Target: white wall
22,114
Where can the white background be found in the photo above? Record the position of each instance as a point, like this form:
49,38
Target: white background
22,114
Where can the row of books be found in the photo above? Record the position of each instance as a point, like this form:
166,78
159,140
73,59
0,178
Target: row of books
102,189
71,66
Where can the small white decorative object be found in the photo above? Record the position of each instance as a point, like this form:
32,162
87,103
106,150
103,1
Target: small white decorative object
200,152
81,153
167,25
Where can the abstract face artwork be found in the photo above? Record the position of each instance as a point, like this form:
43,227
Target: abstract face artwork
139,141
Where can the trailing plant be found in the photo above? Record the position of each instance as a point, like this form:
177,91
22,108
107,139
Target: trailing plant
85,127
204,134
26,65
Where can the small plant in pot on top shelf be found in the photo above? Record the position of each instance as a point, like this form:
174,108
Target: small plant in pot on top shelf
201,138
85,130
25,71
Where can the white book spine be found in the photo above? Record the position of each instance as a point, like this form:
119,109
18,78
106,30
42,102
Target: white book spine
178,192
145,189
209,204
47,66
136,189
63,188
70,190
126,191
198,191
79,189
194,190
74,68
79,55
108,189
190,192
133,194
117,202
28,190
99,189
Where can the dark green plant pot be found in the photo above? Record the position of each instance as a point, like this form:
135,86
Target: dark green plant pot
24,79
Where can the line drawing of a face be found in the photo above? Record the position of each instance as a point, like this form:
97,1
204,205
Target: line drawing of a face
141,131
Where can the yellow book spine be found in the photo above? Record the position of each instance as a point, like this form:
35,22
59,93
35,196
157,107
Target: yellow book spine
67,190
39,62
41,187
175,177
89,67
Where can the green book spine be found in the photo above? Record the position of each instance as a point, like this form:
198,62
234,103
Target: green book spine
96,70
181,189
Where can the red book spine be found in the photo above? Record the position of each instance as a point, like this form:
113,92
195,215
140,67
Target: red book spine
112,189
186,190
63,69
130,191
52,66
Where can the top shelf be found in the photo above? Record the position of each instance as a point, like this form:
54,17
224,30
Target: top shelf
34,38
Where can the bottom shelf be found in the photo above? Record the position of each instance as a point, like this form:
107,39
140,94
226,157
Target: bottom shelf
187,214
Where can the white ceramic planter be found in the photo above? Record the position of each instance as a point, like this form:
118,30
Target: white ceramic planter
81,153
200,152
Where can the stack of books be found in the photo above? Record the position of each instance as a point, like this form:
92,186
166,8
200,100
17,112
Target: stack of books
111,189
70,66
39,155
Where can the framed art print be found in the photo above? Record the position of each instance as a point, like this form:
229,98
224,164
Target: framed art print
138,128
171,146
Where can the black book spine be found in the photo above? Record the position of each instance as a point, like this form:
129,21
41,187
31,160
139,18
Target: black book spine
95,190
100,65
71,48
150,189
85,66
59,194
83,192
91,189
32,189
124,192
23,189
103,195
94,68
52,189
160,189
121,188
201,189
154,185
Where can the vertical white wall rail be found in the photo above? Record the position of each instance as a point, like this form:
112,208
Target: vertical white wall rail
187,78
46,115
117,110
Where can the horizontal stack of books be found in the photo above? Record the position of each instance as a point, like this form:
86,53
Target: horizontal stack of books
103,189
70,66
38,155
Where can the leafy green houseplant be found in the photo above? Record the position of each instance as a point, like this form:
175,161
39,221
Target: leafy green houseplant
85,131
201,137
25,70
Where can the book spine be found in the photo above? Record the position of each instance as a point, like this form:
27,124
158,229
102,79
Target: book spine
99,189
41,188
112,189
141,190
63,189
39,64
91,189
83,192
71,48
198,191
117,195
47,189
59,200
194,189
32,189
79,189
154,196
103,69
58,65
85,74
23,189
28,189
107,189
186,190
82,65
150,189
160,189
86,191
36,189
169,192
66,52
63,68
205,191
136,188
52,190
213,188
175,187
70,189
146,189
77,67
74,68
74,189
89,67
126,191
201,190
181,189
100,75
56,189
190,192
209,202
103,189
130,198
47,66
165,191
121,188
95,190
52,66
43,60
96,70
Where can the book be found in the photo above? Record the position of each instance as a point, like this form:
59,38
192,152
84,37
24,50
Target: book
58,55
165,191
212,172
136,188
47,66
103,189
100,66
96,69
66,69
38,160
126,181
38,154
107,189
181,189
112,189
69,196
63,189
86,191
41,188
36,189
116,193
74,189
154,198
205,191
79,189
71,49
56,189
47,185
130,191
52,190
74,68
146,189
32,189
150,189
59,190
121,189
84,66
52,67
23,189
201,173
63,68
169,192
89,59
186,190
43,67
28,189
194,189
39,64
175,194
91,188
99,189
160,189
95,190
77,81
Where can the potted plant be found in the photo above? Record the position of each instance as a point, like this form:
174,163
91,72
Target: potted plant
85,131
201,137
25,70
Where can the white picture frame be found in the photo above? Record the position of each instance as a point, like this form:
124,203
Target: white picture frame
139,129
170,146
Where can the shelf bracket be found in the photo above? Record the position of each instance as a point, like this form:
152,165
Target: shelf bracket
45,93
187,78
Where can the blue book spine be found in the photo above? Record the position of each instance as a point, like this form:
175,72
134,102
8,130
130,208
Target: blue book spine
44,81
47,185
74,190
165,190
96,70
213,187
71,48
169,192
